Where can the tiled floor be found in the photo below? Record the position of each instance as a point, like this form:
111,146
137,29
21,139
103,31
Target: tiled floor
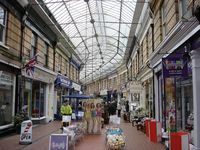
135,140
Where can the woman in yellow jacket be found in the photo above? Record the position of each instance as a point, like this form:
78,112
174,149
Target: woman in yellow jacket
66,110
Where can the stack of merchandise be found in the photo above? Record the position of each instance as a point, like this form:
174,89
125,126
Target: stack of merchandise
115,138
78,130
71,136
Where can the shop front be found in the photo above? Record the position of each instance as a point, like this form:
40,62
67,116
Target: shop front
135,94
63,85
8,76
37,95
103,94
178,90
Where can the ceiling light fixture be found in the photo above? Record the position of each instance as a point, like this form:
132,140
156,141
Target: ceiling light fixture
92,21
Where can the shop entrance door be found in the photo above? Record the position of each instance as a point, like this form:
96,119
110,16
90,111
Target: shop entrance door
38,99
26,102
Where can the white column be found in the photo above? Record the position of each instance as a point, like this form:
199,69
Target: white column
195,56
156,98
183,106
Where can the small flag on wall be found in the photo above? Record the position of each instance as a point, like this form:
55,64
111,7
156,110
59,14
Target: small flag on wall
30,65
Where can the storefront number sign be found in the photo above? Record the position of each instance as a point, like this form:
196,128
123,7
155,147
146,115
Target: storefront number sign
58,142
174,67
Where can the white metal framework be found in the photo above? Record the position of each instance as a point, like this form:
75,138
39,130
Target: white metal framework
99,30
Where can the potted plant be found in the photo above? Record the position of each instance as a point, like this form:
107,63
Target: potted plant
18,119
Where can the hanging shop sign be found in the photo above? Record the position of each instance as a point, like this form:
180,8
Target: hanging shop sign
40,75
76,86
6,78
103,92
174,67
63,81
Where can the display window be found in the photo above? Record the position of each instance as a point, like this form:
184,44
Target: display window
38,99
178,104
7,82
184,97
170,101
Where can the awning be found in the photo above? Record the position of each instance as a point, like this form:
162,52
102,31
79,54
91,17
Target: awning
63,81
76,96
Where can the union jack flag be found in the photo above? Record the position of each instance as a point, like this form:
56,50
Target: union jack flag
30,66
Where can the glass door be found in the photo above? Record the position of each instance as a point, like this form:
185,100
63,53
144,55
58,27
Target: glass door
26,102
38,99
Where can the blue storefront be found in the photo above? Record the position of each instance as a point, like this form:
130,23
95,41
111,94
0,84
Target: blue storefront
63,85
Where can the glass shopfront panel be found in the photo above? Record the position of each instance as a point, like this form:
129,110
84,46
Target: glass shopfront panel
184,109
179,104
6,97
38,99
26,96
170,104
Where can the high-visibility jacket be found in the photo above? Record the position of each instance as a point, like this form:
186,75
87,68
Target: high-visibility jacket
66,110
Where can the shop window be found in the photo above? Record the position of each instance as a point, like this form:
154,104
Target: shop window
184,101
33,45
6,98
46,54
2,24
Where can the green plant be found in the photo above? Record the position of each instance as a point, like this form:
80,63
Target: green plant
18,119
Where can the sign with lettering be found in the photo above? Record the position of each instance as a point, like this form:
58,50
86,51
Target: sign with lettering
66,118
58,142
174,67
80,113
6,78
26,132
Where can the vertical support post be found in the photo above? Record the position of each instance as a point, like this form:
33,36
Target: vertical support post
195,56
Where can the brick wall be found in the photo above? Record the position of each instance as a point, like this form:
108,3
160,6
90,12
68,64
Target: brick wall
13,39
157,29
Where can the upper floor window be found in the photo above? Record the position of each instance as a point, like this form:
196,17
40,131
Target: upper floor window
163,19
66,67
33,45
59,63
182,8
46,54
2,24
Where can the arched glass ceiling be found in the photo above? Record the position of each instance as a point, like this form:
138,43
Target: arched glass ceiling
99,29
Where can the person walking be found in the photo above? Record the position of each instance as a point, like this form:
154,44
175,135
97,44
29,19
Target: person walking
119,107
127,111
66,110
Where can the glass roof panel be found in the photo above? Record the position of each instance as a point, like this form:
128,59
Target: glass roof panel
99,30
